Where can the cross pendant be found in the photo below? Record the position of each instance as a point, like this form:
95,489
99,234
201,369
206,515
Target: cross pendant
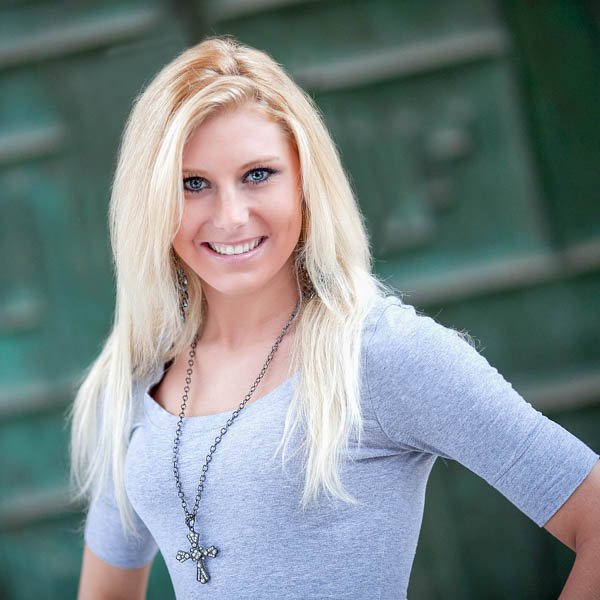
197,553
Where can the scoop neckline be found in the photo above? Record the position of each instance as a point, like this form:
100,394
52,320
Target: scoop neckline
161,417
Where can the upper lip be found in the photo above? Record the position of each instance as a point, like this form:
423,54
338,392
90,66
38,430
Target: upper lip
237,243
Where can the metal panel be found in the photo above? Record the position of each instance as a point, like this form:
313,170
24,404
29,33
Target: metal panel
473,158
68,74
558,51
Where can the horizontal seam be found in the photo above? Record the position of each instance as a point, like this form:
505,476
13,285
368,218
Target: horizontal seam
534,435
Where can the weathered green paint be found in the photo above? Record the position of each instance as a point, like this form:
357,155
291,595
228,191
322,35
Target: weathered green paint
557,51
469,130
68,75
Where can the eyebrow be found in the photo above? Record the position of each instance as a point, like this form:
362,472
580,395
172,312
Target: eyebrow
256,161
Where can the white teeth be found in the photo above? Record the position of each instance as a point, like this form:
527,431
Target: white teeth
234,249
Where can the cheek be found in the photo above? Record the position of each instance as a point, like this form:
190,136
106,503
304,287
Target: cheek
189,225
288,226
298,220
183,238
178,245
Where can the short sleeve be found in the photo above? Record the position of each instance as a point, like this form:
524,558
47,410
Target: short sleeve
431,391
105,536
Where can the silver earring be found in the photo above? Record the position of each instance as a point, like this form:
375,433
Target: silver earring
182,284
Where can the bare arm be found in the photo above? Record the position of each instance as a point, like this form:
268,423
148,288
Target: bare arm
577,525
101,581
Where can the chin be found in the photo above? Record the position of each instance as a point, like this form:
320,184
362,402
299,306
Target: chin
246,284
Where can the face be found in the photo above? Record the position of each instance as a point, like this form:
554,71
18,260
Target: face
243,215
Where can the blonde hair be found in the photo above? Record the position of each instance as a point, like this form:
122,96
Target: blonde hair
145,212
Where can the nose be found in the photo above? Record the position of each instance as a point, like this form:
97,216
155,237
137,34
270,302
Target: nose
230,210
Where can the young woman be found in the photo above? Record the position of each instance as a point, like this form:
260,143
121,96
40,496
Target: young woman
263,412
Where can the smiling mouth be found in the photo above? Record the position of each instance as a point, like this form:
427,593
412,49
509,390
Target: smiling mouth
235,249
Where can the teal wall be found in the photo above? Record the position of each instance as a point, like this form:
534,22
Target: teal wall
470,130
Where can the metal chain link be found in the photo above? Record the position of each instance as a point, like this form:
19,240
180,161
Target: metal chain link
191,516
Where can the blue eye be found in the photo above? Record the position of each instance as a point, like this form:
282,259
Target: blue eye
256,176
259,175
193,184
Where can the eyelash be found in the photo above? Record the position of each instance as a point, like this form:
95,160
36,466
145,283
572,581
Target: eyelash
267,170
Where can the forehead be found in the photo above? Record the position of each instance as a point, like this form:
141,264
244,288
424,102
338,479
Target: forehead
235,136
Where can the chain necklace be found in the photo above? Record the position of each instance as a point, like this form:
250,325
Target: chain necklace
198,553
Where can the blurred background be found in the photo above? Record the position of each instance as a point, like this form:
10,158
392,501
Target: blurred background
471,132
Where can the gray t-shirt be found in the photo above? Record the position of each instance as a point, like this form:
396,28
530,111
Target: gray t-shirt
425,393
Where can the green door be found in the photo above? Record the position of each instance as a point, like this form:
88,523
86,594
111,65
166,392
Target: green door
68,74
470,132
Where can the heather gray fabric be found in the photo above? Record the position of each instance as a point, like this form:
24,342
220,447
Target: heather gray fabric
425,393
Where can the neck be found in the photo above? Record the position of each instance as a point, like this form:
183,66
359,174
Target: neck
235,320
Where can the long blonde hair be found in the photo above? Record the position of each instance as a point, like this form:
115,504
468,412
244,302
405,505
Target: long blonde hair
145,212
